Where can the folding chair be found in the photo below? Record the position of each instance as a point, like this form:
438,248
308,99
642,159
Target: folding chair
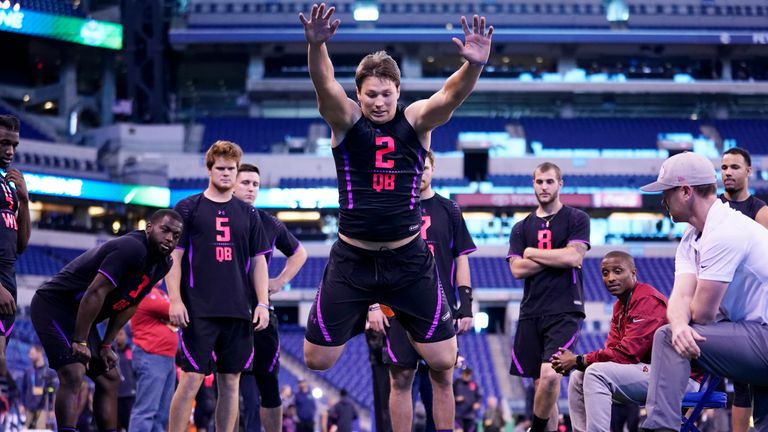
706,397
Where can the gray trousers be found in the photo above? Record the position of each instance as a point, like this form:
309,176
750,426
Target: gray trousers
735,350
591,393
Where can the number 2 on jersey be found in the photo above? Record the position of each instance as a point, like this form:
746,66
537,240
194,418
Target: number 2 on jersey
545,239
389,147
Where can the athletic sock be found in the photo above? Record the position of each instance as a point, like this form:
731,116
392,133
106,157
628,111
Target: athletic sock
539,424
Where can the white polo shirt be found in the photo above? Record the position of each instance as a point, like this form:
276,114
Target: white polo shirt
732,248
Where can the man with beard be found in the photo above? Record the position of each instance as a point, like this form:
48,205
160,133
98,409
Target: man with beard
14,233
261,382
736,167
445,232
105,283
546,249
210,292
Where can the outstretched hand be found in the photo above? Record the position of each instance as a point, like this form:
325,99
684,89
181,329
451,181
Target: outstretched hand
477,43
319,29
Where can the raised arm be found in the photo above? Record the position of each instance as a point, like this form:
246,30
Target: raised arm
337,109
427,114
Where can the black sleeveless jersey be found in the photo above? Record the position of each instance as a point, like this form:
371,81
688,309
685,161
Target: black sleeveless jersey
379,170
9,230
749,207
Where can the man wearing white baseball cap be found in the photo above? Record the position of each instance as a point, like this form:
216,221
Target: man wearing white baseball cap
718,309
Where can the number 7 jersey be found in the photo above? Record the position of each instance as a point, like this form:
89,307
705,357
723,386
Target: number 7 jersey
379,170
552,290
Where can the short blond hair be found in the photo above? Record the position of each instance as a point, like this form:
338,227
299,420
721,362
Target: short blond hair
225,149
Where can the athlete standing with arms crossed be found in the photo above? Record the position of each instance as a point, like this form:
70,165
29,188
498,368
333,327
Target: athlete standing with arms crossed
379,149
546,249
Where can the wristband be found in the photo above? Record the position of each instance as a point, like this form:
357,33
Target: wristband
106,345
373,308
264,305
465,300
83,343
478,63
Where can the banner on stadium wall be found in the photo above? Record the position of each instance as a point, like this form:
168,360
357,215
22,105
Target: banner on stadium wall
596,200
89,32
44,184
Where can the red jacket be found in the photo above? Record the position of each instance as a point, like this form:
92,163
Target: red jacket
631,335
150,325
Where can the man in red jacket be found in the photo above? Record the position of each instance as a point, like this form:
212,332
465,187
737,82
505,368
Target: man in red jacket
620,371
156,341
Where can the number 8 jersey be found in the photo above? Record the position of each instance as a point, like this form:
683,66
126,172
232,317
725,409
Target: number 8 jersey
219,240
552,290
379,170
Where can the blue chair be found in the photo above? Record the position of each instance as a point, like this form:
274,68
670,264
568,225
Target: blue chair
706,397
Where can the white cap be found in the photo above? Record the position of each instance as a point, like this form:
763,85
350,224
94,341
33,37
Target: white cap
683,169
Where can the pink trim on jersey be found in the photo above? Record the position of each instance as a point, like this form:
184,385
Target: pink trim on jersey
514,255
106,275
10,329
467,252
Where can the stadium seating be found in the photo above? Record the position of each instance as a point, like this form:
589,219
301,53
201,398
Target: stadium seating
60,164
487,272
27,131
546,13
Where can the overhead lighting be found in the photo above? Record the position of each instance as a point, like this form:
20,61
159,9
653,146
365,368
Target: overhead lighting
142,225
48,105
298,216
95,211
366,10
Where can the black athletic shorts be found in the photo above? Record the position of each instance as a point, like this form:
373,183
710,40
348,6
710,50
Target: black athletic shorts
266,349
54,322
405,279
398,349
538,338
8,279
225,342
